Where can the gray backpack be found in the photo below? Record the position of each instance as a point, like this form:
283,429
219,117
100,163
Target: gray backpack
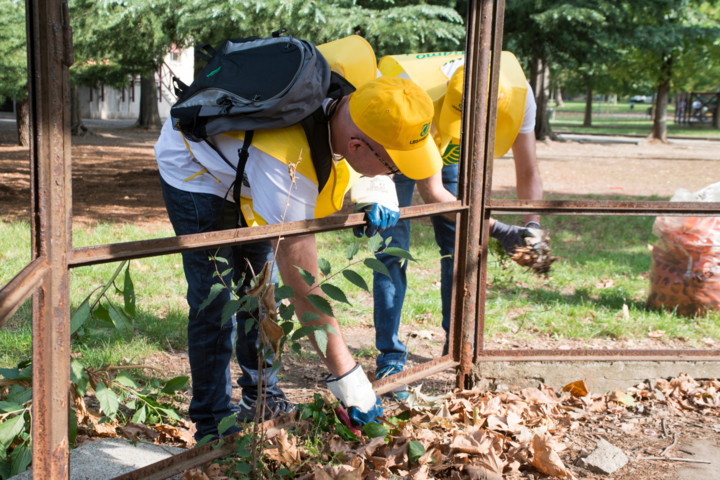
260,84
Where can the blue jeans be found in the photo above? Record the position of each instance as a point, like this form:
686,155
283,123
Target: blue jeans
389,293
210,345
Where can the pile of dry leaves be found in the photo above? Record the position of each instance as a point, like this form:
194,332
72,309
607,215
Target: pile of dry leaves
90,424
479,435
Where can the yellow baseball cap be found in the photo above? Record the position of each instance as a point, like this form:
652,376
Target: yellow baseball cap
510,108
398,115
451,113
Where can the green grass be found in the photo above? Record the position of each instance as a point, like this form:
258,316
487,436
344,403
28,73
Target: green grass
621,107
570,119
569,305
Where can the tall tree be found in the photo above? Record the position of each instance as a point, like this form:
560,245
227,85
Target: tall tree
669,33
13,63
132,36
570,35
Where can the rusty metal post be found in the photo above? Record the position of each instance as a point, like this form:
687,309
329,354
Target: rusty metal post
475,116
497,41
49,56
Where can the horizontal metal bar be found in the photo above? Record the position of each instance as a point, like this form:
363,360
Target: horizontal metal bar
165,246
413,374
588,207
594,355
199,456
21,287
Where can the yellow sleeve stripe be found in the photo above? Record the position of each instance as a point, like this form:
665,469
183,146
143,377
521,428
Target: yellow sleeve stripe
204,170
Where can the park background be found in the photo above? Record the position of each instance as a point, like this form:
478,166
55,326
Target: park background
586,60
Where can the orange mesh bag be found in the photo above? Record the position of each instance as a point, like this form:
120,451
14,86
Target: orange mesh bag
685,268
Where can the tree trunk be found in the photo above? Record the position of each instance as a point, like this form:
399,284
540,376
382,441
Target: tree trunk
149,117
22,118
542,93
558,98
77,127
587,121
659,131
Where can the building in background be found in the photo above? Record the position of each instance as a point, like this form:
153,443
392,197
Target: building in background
110,104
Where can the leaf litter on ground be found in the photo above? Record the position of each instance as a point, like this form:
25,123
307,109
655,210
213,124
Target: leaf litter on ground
477,434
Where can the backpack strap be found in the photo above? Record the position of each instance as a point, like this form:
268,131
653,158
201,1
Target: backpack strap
243,155
317,133
211,52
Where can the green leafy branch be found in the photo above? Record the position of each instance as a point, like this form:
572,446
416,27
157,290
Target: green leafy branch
108,315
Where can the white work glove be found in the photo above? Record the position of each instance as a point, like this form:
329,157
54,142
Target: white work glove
377,197
355,392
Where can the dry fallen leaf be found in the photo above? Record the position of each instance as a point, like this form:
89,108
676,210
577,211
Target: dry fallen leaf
545,458
287,452
260,281
576,389
602,284
272,334
194,474
657,334
212,470
106,430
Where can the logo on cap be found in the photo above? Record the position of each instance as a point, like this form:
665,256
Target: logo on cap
425,129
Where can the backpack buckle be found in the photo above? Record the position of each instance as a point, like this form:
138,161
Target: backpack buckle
277,33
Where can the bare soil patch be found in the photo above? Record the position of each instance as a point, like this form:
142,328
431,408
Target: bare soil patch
115,176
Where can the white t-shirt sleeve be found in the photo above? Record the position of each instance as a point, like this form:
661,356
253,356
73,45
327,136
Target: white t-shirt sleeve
528,124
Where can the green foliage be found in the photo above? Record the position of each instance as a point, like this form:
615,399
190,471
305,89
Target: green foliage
121,318
306,276
415,451
226,423
108,400
391,28
13,50
355,278
334,292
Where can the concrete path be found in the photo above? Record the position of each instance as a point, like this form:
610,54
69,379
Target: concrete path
108,458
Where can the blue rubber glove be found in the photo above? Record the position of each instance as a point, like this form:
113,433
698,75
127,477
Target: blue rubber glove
360,418
379,218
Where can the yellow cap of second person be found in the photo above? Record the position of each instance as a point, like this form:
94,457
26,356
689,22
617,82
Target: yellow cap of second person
398,115
451,113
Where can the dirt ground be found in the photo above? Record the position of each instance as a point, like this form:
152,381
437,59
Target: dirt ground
115,176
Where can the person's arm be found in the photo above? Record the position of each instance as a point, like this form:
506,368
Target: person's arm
302,252
432,190
529,183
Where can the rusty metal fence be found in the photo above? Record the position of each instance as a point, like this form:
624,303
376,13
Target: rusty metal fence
46,278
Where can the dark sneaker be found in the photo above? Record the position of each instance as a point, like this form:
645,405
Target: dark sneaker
401,393
274,407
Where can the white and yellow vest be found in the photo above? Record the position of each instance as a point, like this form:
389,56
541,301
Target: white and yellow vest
425,69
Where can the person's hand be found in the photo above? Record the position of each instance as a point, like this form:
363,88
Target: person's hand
512,236
376,197
360,418
379,218
534,237
356,394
